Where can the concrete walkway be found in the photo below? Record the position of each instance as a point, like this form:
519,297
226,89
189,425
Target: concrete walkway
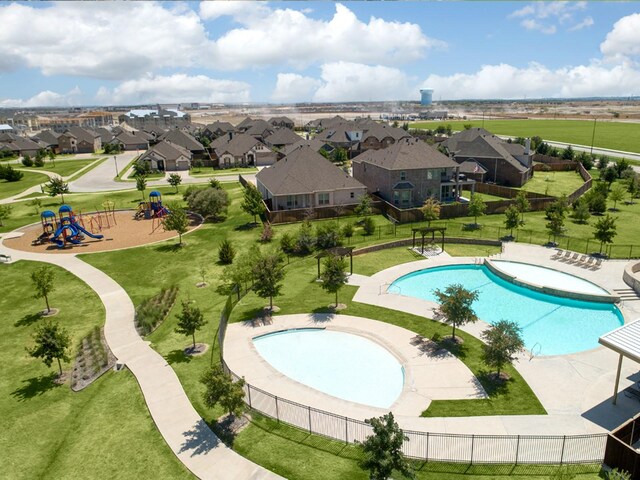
186,433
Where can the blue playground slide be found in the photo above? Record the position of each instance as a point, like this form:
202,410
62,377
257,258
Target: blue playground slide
70,237
88,234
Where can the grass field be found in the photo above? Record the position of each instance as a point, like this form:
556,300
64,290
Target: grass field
210,172
613,135
9,189
50,432
65,168
554,183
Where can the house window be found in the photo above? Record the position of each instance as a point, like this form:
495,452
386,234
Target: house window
429,174
323,198
405,197
353,195
396,197
290,201
403,175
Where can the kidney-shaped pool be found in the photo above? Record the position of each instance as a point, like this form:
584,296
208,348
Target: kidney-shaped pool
340,364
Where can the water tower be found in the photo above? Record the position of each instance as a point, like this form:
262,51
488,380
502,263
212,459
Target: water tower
426,96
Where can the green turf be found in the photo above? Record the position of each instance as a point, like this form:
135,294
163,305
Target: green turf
209,172
554,184
104,431
9,189
65,168
373,262
613,135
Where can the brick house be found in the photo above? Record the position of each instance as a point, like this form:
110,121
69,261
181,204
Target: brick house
131,141
79,140
377,136
167,156
241,150
281,122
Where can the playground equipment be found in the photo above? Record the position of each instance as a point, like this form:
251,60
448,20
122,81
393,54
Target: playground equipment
153,209
63,229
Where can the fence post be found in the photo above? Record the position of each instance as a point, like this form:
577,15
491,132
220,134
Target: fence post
426,455
564,440
517,449
346,430
568,239
249,393
587,249
472,442
630,250
309,408
277,413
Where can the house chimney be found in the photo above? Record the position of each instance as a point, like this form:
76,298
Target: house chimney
527,147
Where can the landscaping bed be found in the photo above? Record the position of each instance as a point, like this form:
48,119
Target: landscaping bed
94,358
153,311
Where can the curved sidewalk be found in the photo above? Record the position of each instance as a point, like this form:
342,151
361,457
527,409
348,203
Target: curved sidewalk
186,433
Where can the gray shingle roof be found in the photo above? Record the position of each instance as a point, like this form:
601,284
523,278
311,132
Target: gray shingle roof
380,132
133,138
220,126
282,136
406,154
183,139
48,137
82,134
167,150
305,171
315,145
238,146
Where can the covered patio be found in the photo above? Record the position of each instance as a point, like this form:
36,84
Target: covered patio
625,341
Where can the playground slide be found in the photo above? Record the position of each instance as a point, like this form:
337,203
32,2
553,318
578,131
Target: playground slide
87,233
70,237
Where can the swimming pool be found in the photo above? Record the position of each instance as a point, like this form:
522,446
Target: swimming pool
340,364
554,325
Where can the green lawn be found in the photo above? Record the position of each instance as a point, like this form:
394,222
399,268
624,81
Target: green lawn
48,431
614,135
554,184
9,189
66,168
216,172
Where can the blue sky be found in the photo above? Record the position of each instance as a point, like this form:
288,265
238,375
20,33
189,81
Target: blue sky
80,53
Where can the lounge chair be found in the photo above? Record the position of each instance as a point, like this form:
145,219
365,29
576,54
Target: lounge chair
589,262
567,256
582,260
598,263
558,253
574,258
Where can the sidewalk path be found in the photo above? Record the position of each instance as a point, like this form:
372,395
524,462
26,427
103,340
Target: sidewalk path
186,433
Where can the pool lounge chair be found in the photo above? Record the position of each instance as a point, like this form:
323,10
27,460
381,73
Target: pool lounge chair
582,260
574,258
598,263
567,256
589,262
558,253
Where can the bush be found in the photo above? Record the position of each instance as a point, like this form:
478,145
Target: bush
368,226
226,252
348,230
10,174
267,233
215,183
26,161
39,162
598,204
328,235
305,241
209,202
151,312
287,243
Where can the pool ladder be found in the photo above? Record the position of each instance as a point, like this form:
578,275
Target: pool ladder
384,288
533,350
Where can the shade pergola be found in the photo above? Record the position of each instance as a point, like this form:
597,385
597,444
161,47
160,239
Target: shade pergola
424,231
340,252
625,341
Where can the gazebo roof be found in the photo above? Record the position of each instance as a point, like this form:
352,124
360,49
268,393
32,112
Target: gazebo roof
429,229
339,251
624,340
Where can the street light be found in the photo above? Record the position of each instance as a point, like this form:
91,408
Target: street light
116,160
593,135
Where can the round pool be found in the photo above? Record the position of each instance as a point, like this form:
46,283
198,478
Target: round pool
340,364
551,325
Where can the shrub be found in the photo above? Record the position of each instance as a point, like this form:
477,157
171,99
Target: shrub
328,235
38,162
267,233
598,204
10,174
305,241
151,312
348,230
210,203
26,161
368,226
215,183
226,252
287,243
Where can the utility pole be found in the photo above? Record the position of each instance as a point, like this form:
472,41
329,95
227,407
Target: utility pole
116,160
593,135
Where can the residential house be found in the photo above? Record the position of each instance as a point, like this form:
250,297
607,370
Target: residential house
18,145
259,129
282,122
245,124
79,140
345,135
305,179
217,129
282,137
131,141
167,156
106,135
160,117
316,146
377,136
324,123
408,172
186,140
48,140
241,150
4,128
508,164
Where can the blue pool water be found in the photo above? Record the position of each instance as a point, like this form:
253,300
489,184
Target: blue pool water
559,325
340,364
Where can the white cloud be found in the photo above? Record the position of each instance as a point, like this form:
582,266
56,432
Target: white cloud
623,41
291,87
45,98
546,16
101,39
535,80
241,9
175,89
290,36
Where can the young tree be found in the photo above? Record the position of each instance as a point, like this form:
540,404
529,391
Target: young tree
141,184
363,209
621,166
632,188
503,340
241,271
174,180
305,240
609,175
512,218
5,212
333,275
252,202
43,285
268,273
456,305
226,252
555,225
368,226
383,450
568,153
177,220
141,168
57,186
328,235
430,210
215,183
10,174
605,230
221,389
208,202
202,271
522,204
617,194
477,207
189,321
581,211
52,343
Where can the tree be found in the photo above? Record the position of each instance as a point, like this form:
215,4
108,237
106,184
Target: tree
559,206
26,160
455,305
368,226
605,230
52,156
174,180
522,204
609,175
340,155
226,252
197,164
252,202
363,209
215,183
581,211
430,210
305,240
141,184
57,186
555,225
477,207
382,450
10,174
621,166
333,275
190,320
617,194
632,188
208,202
5,212
268,273
512,218
328,235
43,285
36,203
52,343
568,153
221,389
141,168
241,271
503,340
177,220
